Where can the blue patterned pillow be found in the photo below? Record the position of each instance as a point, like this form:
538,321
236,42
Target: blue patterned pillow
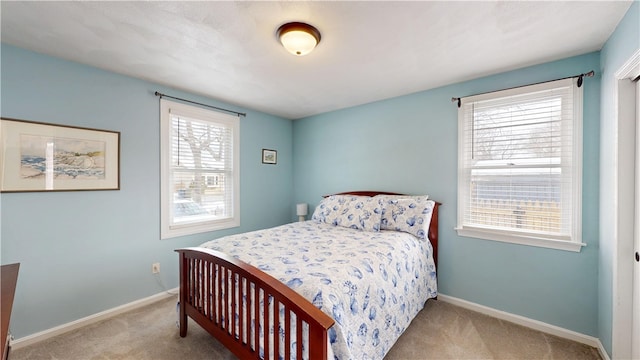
329,209
411,215
360,212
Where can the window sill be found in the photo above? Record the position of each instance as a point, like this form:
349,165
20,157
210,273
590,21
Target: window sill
521,240
196,228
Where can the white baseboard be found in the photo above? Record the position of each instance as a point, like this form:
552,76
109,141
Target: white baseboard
603,352
46,334
527,322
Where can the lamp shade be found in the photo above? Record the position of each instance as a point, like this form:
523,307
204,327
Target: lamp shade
302,209
298,38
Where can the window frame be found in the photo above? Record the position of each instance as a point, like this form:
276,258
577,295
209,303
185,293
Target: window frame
167,229
574,240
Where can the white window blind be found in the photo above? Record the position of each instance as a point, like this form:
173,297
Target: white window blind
199,170
520,165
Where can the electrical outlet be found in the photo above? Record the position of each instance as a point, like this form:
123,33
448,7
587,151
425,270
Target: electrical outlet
155,268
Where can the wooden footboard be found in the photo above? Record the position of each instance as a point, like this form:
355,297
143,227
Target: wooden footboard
223,295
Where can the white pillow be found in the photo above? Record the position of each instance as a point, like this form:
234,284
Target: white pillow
411,215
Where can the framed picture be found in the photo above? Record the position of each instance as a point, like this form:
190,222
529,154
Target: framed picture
269,156
48,157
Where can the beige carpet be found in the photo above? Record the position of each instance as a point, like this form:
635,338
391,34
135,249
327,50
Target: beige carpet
440,331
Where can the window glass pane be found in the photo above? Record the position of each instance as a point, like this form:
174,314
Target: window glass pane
201,161
199,197
529,201
200,145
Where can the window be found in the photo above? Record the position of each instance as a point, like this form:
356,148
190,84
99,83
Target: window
199,168
520,165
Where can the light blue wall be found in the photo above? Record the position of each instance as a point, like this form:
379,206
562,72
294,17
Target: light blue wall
409,144
618,49
84,252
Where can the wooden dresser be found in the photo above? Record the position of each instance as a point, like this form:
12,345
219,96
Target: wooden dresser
8,280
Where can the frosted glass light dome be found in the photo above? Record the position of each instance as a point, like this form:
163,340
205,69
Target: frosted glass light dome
298,38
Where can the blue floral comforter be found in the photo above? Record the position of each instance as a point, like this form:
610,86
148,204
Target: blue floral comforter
371,283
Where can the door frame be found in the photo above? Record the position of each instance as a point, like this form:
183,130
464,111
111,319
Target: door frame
623,248
635,288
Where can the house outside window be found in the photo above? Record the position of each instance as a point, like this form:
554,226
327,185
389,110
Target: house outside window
520,165
199,170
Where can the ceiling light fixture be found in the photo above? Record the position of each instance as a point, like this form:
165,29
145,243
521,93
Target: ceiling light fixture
298,38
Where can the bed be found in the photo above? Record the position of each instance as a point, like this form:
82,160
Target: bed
337,286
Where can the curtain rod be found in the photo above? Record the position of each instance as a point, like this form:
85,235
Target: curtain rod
201,104
579,76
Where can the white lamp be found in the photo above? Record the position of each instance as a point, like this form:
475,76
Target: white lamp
298,38
301,211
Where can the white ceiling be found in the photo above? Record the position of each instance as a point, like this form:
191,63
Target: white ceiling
369,50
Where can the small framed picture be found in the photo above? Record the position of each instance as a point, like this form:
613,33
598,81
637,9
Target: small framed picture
269,156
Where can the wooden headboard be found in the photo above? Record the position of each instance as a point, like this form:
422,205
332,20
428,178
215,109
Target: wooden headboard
433,226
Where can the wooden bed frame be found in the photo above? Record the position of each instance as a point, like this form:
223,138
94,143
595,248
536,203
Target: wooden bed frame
204,271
